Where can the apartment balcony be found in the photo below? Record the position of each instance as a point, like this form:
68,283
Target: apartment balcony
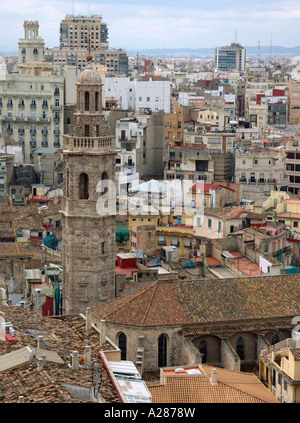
56,145
21,130
44,143
243,180
32,130
130,164
9,117
21,142
45,106
9,105
44,131
21,106
56,108
32,118
44,119
33,143
56,119
9,130
33,106
56,131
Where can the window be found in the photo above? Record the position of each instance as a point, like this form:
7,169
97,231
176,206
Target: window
274,339
86,101
162,351
240,348
285,385
203,351
122,343
295,224
219,226
96,101
83,186
209,223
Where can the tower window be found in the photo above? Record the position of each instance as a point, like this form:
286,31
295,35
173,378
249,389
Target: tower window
86,101
83,186
96,101
86,130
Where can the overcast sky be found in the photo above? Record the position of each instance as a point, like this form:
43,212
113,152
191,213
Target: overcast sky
143,24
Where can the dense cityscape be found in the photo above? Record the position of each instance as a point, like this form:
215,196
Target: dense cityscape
149,223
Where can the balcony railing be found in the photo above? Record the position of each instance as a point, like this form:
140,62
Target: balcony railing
88,143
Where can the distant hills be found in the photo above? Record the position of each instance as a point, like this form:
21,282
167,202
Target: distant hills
251,51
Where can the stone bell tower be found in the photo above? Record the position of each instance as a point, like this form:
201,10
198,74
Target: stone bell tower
88,238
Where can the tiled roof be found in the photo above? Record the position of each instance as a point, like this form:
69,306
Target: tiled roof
232,387
156,304
62,335
205,301
225,212
296,353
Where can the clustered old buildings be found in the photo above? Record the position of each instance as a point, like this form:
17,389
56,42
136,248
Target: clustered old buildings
149,227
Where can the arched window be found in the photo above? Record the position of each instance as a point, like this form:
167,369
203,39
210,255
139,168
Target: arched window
83,186
240,348
162,351
104,177
87,101
274,339
203,351
129,161
96,101
24,51
86,130
122,343
35,51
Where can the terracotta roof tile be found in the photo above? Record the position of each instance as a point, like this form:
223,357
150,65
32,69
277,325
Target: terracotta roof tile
205,301
232,387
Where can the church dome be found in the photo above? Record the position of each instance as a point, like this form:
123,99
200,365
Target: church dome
90,76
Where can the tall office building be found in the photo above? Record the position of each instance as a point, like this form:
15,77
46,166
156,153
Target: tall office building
79,34
230,57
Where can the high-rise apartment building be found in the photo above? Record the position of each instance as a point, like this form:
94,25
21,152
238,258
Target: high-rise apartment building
79,34
31,101
230,57
83,32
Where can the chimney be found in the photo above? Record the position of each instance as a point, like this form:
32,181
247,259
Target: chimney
40,364
87,357
40,342
102,332
74,360
20,399
88,319
213,378
44,358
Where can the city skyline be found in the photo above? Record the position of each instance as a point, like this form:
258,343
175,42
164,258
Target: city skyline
192,24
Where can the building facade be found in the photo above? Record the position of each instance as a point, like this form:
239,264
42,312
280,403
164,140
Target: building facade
31,101
230,57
